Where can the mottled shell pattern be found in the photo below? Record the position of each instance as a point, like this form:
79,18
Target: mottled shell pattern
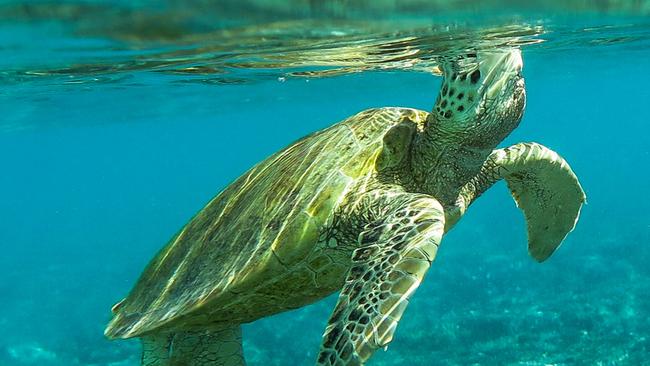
260,228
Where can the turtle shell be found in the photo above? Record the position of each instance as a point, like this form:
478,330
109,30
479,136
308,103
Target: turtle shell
258,227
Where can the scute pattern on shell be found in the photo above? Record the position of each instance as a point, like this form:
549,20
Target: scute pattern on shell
260,227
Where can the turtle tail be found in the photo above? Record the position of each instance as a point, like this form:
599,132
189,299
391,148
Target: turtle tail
222,347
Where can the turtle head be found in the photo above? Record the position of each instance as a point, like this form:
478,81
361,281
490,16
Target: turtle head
482,97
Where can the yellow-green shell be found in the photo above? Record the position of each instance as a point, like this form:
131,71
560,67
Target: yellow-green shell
264,226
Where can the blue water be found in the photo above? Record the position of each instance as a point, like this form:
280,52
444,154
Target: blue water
99,170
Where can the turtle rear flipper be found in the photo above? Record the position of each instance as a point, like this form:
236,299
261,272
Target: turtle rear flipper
194,348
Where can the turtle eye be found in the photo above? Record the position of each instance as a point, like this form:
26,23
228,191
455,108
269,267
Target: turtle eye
475,76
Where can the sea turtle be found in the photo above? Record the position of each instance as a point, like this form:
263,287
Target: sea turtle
359,207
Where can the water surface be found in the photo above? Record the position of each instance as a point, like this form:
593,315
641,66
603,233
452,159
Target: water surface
119,121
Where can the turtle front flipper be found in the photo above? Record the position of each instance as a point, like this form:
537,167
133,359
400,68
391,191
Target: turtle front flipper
544,188
397,245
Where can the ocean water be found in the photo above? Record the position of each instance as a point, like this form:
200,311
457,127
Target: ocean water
118,121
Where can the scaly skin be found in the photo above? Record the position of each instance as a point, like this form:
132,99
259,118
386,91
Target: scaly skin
450,163
452,146
416,199
361,206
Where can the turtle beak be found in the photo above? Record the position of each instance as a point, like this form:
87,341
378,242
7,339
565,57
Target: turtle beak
500,67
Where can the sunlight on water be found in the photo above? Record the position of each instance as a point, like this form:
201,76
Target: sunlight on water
119,120
223,44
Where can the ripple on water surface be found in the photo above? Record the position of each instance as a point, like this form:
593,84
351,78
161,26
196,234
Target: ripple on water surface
232,42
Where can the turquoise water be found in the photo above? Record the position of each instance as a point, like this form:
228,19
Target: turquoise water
118,122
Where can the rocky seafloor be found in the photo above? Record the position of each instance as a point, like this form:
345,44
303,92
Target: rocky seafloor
483,303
